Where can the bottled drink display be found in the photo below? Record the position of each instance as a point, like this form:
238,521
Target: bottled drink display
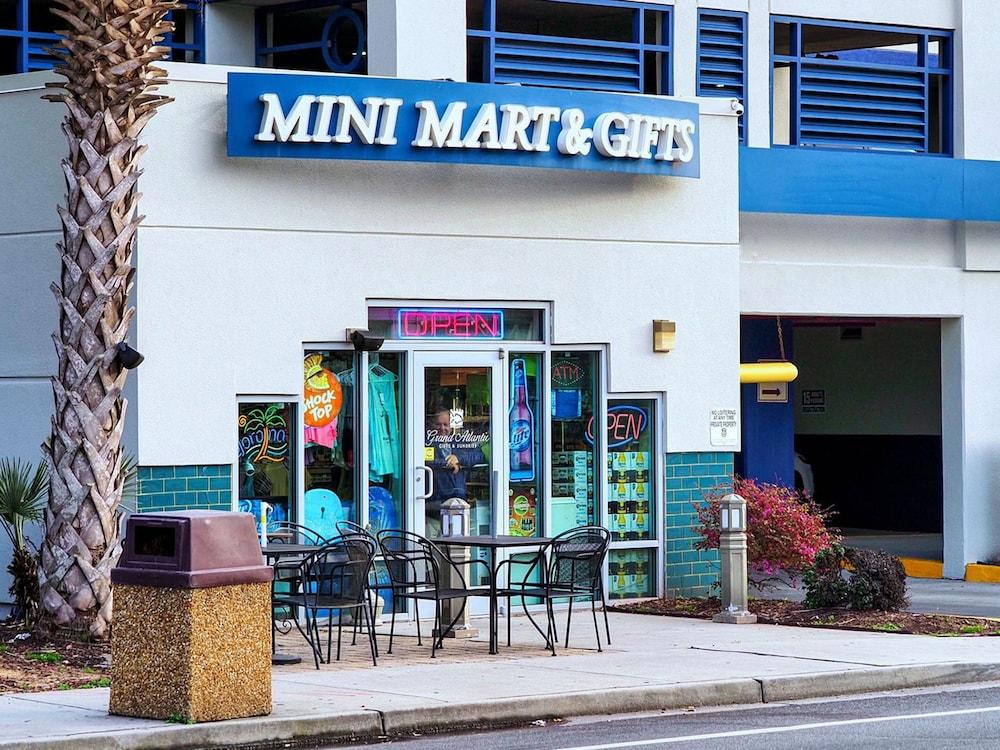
522,427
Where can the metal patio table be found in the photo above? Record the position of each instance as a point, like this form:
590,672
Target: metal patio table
273,554
493,543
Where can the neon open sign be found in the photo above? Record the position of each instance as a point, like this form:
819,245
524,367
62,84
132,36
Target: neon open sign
625,425
449,323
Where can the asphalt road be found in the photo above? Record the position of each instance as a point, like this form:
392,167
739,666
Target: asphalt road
934,719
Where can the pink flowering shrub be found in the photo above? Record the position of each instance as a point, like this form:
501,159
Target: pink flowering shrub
785,529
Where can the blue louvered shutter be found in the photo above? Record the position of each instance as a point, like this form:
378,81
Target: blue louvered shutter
568,63
858,106
722,57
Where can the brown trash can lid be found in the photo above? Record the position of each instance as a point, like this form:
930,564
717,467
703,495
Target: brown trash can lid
191,549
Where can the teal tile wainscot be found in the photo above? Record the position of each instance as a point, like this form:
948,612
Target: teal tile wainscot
690,476
202,487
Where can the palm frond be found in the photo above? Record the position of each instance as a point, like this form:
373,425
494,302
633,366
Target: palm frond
23,490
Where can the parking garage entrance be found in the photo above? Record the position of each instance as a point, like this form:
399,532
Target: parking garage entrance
860,428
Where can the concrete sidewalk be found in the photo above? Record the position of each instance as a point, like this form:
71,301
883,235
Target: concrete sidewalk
654,663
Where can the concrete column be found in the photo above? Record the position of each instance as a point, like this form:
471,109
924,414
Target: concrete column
977,80
953,447
229,34
757,122
423,40
685,47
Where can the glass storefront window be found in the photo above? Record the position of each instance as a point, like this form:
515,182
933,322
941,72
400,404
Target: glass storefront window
575,444
386,493
328,412
265,458
631,469
525,464
631,573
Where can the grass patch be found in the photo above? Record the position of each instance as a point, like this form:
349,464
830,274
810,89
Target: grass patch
972,629
178,718
4,648
63,686
98,683
887,627
47,657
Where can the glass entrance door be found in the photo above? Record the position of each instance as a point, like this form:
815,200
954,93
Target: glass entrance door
458,440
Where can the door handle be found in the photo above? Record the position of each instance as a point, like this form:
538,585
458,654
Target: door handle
430,482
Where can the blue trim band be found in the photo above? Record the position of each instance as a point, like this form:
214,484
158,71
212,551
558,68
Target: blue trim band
851,183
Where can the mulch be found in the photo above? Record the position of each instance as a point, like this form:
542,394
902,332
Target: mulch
784,612
57,661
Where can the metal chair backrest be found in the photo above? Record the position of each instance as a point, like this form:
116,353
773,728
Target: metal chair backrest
293,533
345,528
577,556
339,568
412,560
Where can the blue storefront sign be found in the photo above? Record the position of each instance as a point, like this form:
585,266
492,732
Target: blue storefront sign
390,119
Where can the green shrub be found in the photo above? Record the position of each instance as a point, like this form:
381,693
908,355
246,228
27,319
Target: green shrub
825,582
876,580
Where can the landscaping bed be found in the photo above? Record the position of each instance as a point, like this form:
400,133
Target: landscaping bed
783,612
56,662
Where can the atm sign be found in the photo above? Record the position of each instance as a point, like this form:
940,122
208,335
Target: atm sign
450,323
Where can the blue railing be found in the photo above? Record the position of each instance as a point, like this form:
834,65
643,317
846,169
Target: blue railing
581,63
891,99
31,48
722,56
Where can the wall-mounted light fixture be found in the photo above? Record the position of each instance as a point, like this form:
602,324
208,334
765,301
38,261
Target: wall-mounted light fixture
664,335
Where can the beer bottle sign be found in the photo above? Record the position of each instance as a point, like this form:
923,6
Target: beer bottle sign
522,427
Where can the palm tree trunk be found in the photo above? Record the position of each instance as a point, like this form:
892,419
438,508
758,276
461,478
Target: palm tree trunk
108,57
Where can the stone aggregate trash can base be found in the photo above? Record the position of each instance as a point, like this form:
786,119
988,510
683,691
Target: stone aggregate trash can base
208,658
182,648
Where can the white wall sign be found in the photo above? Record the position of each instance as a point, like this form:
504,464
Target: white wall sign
775,393
723,427
814,401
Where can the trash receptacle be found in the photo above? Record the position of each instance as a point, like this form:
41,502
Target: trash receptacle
191,638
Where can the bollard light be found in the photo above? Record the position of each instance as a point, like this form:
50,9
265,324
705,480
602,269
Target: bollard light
733,557
455,517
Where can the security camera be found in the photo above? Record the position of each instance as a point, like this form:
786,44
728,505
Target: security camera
364,341
737,106
128,357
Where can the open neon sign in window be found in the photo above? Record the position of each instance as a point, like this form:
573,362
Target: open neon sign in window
450,323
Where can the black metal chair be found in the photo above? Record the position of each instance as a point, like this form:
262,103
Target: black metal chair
350,529
416,570
334,578
571,568
287,571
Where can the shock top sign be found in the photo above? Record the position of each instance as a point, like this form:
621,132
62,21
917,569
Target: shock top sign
390,119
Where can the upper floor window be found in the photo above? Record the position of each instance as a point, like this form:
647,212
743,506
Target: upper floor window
604,45
722,57
860,86
28,29
311,35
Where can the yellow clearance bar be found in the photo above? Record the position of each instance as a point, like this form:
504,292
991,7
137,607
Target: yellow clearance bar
768,372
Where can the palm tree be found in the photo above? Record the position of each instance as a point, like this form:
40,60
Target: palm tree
108,56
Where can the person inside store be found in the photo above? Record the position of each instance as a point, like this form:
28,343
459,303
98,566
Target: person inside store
453,456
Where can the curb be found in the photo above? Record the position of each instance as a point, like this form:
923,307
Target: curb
288,732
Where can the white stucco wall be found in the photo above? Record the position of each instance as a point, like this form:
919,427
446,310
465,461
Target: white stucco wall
245,259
